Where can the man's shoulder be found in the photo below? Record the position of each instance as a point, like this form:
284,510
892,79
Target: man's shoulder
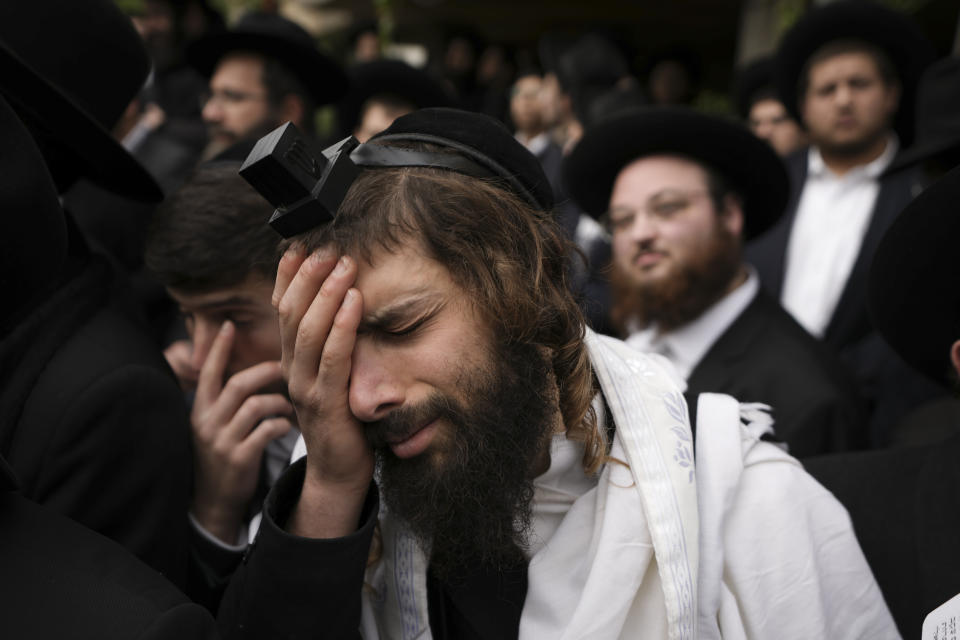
83,580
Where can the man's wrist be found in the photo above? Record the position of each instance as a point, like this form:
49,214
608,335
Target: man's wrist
326,510
222,523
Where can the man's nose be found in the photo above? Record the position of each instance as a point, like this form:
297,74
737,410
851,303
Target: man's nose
211,112
644,228
374,389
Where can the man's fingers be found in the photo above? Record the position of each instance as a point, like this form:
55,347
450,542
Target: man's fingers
314,327
298,297
286,270
259,438
241,386
211,373
338,348
254,410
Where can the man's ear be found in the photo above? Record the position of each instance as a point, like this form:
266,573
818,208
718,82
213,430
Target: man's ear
292,109
732,215
955,356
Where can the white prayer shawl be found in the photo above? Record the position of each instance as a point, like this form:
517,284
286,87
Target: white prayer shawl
617,556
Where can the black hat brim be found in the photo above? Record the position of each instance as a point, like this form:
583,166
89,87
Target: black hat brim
749,164
390,77
320,75
912,293
891,31
101,158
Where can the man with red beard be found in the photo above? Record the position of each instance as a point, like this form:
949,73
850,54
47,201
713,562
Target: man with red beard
537,480
679,192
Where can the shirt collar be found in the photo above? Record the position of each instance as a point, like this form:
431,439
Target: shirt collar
686,345
536,144
872,170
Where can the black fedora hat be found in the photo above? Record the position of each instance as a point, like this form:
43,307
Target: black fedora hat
913,295
753,80
70,68
937,121
891,31
284,40
393,78
748,163
34,246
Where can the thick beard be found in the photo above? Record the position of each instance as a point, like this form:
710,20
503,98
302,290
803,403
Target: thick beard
681,297
468,499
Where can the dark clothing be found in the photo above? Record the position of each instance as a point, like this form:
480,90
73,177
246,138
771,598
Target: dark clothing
765,356
905,507
890,387
92,419
280,571
61,580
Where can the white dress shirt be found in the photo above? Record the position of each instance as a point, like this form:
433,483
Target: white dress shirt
832,217
685,346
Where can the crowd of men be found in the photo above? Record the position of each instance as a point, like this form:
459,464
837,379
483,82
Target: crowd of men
549,353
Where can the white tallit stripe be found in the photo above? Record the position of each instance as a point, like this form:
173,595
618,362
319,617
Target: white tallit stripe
653,425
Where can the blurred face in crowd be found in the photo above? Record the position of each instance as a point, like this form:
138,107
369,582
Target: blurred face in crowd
770,121
674,253
525,106
376,117
247,305
848,107
238,106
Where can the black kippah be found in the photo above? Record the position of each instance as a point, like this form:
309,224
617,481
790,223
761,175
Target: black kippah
482,139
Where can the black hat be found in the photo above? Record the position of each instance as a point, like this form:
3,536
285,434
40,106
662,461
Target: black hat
34,246
749,164
937,122
893,32
912,294
390,77
751,80
480,138
275,36
70,68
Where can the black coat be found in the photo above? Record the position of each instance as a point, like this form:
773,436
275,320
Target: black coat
93,421
765,356
61,580
905,507
889,386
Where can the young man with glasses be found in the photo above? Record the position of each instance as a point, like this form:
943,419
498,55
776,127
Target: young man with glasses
265,72
681,193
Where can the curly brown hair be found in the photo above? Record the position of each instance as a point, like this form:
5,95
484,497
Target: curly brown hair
509,258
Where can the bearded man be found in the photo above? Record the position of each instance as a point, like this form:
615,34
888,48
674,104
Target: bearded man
679,194
266,71
537,479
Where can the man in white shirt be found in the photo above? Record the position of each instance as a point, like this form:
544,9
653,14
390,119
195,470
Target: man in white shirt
681,191
848,72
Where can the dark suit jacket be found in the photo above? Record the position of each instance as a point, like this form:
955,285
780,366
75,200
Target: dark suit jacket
889,386
767,253
765,356
93,421
905,507
61,580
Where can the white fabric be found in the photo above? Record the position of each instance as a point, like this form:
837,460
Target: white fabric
778,555
832,217
748,546
686,346
536,144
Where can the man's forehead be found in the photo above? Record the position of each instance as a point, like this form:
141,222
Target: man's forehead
653,173
239,66
254,291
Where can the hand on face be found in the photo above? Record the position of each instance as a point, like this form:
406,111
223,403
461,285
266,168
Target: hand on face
232,425
319,315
